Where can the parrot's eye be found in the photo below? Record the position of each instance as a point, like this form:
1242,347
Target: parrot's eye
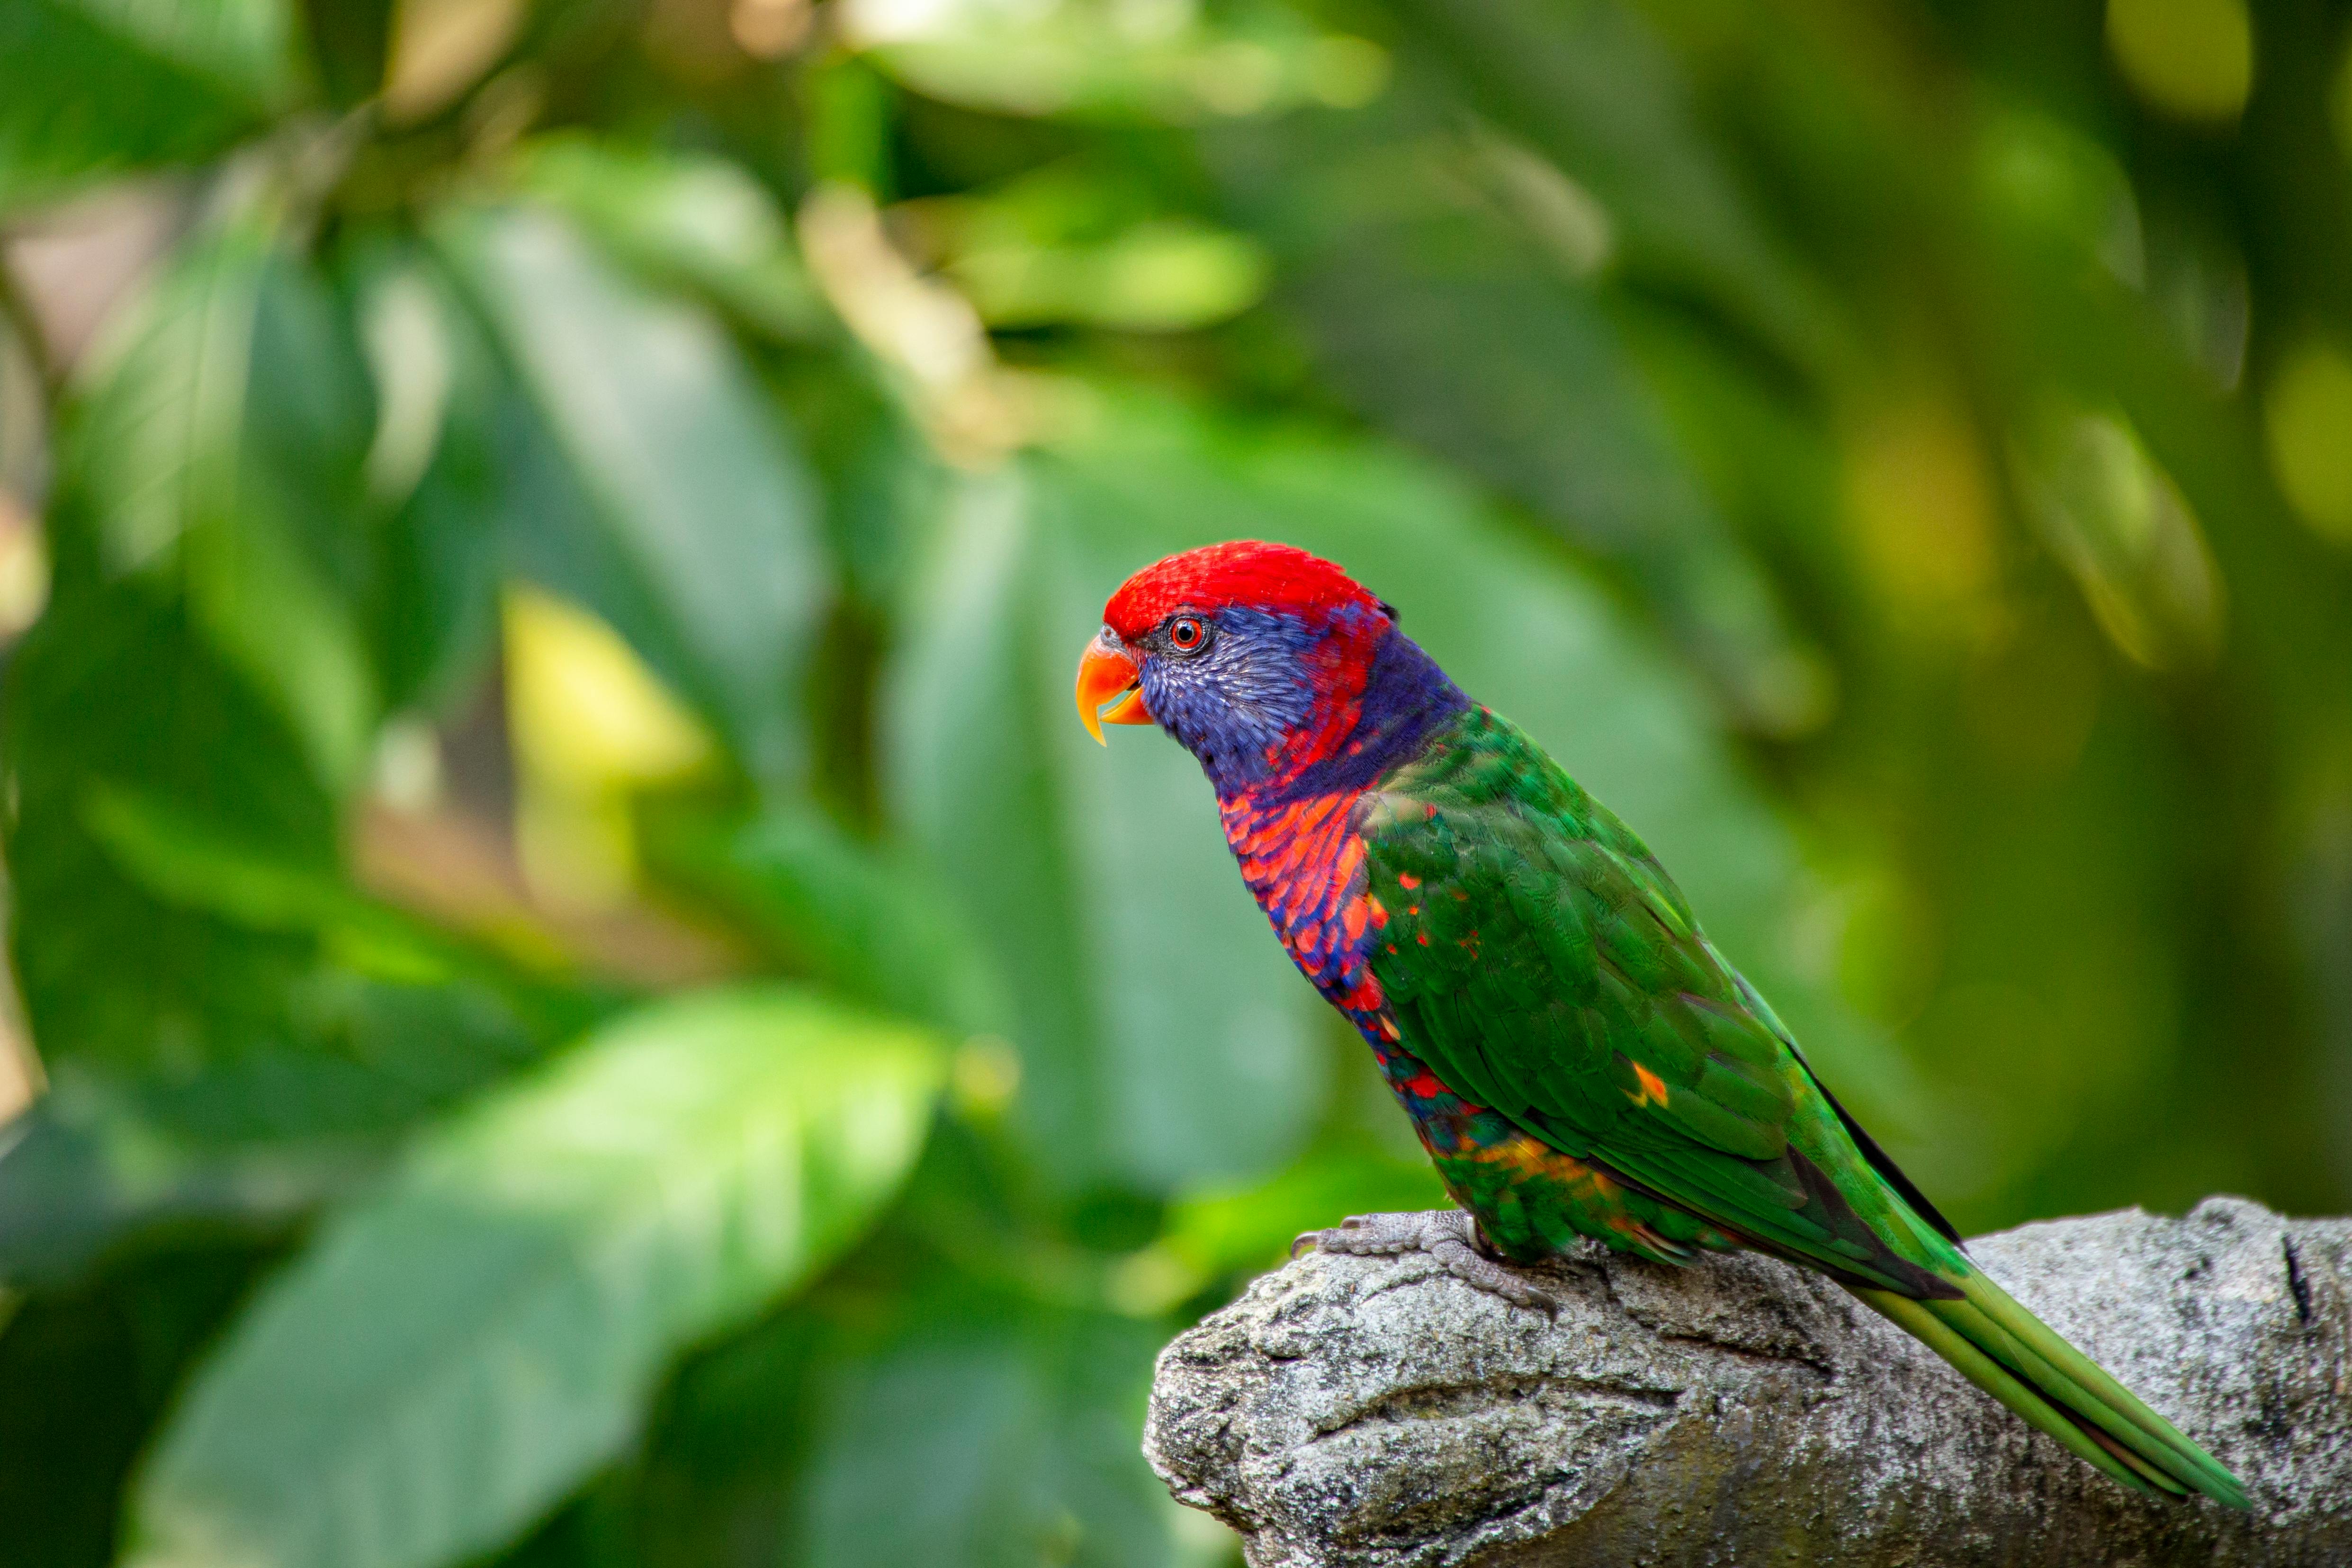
1188,634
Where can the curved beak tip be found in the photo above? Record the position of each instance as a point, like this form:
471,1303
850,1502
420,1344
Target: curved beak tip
1108,675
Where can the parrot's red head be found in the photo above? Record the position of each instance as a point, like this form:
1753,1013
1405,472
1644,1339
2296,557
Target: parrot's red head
1269,664
1246,573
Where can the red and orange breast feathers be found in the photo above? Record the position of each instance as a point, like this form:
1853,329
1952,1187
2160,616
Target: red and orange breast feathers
1304,859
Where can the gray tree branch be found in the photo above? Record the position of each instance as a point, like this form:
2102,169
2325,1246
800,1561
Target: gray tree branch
1373,1412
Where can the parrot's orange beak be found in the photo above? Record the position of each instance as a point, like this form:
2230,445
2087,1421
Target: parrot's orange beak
1108,674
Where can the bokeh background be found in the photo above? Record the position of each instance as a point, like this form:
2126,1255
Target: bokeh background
581,997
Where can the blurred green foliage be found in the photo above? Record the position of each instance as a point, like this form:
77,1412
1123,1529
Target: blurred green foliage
584,1000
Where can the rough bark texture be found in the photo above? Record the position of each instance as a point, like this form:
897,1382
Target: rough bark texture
1367,1411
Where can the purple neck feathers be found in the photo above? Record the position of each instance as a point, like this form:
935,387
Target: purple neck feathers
1406,699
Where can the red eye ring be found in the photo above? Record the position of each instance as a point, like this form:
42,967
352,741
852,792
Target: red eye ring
1187,635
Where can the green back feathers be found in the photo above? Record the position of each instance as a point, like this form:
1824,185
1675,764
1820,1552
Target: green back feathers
1542,961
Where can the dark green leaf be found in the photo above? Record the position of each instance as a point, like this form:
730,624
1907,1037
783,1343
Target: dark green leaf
121,85
1590,84
723,1449
115,684
83,1374
219,449
987,1432
284,1108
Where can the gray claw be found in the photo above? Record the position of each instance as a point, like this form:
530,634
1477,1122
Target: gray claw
1448,1235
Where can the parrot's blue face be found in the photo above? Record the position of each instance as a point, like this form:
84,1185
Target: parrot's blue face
1232,686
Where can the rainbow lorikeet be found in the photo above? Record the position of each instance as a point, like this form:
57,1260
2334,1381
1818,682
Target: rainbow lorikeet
1577,1057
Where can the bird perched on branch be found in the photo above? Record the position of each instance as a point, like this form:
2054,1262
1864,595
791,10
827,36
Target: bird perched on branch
1576,1056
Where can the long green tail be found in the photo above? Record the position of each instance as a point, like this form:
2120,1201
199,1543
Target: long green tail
2015,1357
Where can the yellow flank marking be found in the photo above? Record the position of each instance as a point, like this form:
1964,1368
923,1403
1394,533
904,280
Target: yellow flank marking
1652,1086
1533,1158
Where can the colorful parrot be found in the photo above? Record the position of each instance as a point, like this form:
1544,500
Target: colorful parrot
1576,1056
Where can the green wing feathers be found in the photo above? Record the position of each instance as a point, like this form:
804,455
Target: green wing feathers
1542,963
1538,960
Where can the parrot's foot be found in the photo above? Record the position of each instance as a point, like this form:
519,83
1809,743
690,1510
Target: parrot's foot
1448,1235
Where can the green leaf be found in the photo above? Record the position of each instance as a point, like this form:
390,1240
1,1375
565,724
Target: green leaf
2120,525
245,45
126,84
162,415
1590,84
84,1373
839,911
689,520
218,447
683,220
1090,62
451,1356
985,1431
885,483
113,683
